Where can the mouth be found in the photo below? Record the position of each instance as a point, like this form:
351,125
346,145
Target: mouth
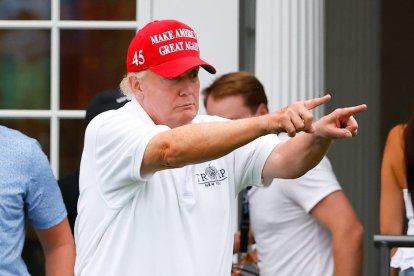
186,105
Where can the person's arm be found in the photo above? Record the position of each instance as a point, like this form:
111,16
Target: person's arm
392,210
336,214
59,249
197,143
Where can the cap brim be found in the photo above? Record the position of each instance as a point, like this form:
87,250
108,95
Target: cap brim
176,67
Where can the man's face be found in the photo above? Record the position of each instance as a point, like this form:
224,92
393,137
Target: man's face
231,107
172,102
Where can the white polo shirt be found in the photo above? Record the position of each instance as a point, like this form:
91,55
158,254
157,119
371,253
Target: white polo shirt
174,222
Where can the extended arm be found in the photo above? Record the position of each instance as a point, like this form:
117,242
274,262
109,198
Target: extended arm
196,143
202,142
337,215
59,249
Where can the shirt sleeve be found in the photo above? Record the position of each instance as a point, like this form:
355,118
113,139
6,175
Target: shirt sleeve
119,151
250,160
43,203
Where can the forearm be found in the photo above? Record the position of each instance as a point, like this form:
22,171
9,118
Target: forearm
348,252
296,156
200,142
60,260
59,249
210,141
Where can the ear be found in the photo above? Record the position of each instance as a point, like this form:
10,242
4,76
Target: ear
262,109
136,87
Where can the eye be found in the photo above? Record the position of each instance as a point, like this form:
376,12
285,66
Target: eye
194,74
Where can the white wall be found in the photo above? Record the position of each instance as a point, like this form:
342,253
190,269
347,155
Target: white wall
216,23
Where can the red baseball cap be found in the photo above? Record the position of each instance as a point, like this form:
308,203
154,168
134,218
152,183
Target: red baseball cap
166,47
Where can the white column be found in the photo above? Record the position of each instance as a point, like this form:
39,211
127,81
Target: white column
289,57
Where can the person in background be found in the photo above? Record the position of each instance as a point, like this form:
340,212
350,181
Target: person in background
158,182
28,190
303,226
69,185
397,190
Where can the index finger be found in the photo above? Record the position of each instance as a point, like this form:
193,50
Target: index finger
352,110
312,103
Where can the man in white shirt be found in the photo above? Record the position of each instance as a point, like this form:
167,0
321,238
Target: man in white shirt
157,181
303,226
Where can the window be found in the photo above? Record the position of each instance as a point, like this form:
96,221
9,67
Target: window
54,57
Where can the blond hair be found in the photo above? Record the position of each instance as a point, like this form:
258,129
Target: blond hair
124,85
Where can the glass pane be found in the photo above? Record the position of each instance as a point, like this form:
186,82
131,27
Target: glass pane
91,61
24,9
38,129
97,9
71,145
24,69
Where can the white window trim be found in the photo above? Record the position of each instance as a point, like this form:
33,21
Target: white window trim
144,11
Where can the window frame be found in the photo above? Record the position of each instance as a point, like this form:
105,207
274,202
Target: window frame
144,11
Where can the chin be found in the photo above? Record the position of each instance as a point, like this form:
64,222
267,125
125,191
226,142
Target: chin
186,118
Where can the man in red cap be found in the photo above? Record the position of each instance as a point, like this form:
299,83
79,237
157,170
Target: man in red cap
158,182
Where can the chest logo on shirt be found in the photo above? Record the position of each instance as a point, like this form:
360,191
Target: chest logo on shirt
211,176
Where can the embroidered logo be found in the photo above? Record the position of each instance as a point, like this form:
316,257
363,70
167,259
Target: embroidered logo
211,176
211,172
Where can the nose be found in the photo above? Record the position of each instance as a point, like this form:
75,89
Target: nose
187,88
185,92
